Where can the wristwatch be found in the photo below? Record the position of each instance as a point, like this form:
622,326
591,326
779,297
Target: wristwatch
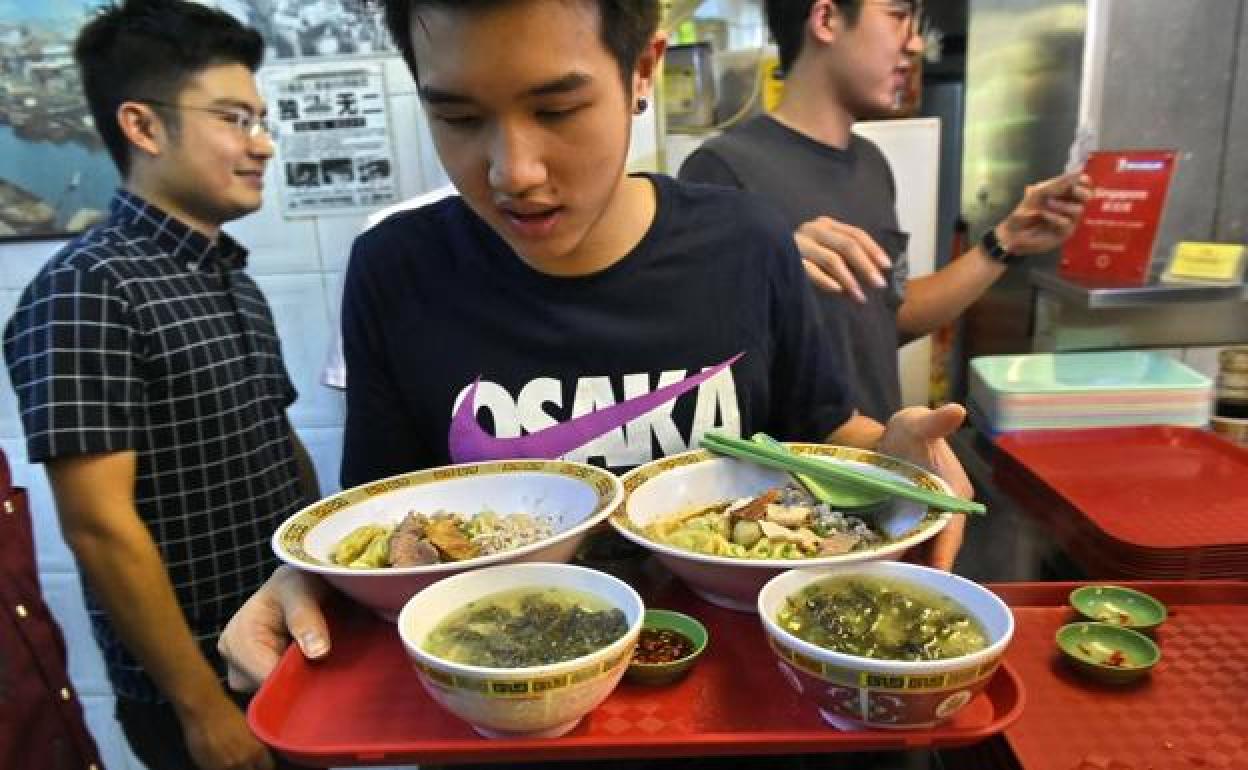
995,251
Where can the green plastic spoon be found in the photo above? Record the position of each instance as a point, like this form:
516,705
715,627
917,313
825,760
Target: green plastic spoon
838,496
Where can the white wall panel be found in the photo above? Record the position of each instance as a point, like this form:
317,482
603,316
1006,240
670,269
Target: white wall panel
299,308
912,148
334,238
277,245
324,445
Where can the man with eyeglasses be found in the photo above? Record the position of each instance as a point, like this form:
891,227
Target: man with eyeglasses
150,378
844,61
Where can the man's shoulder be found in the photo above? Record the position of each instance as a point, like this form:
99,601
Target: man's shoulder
104,253
744,140
419,216
866,150
416,203
727,230
724,209
423,224
872,166
752,155
414,248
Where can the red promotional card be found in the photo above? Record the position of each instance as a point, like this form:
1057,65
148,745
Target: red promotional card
1113,244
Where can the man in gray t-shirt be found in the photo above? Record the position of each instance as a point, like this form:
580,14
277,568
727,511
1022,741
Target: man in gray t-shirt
850,60
808,179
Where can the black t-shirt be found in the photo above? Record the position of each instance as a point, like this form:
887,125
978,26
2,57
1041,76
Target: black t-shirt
608,368
805,179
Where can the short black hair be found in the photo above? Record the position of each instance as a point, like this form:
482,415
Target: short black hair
626,25
147,50
787,21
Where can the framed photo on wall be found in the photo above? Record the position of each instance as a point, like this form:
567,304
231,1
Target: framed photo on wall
55,176
297,30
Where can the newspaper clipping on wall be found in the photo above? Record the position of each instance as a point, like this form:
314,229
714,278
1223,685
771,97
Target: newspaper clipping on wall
335,151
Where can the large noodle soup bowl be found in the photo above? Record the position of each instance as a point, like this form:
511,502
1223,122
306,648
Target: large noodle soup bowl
536,701
687,482
890,694
574,496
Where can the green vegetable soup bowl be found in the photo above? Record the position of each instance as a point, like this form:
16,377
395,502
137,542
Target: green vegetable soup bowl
673,488
1118,606
522,701
856,690
664,634
1106,652
567,498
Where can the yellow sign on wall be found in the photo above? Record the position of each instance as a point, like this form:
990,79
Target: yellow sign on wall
1211,262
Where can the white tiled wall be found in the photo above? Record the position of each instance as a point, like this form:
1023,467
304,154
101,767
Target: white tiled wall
299,264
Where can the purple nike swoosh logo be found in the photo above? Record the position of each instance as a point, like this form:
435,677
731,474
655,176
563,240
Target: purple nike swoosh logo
467,441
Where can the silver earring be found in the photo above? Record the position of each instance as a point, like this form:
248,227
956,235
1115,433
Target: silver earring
642,104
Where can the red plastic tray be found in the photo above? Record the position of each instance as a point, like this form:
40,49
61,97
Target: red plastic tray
1186,714
1151,487
1101,556
364,705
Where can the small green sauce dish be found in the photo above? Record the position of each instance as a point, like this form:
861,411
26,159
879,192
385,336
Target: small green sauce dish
672,671
1118,606
1107,653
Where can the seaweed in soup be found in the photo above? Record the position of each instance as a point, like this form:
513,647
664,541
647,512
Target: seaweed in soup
527,627
885,619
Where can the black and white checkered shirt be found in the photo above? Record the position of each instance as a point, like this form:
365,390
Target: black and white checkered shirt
145,335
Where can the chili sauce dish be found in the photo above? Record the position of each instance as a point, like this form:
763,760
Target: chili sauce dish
667,648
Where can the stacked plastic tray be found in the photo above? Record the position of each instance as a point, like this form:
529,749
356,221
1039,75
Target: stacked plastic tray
1041,391
1149,502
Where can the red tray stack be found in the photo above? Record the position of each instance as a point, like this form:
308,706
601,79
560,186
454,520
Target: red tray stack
1149,502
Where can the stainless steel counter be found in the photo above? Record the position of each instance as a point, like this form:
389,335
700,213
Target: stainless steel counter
1097,296
1074,316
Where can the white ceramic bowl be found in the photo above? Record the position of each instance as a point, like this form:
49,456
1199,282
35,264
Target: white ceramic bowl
534,702
576,496
887,693
698,479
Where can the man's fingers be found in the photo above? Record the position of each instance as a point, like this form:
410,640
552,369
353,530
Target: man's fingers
834,267
850,257
854,245
1058,185
867,244
1058,222
248,668
1081,193
855,248
1024,217
939,423
947,544
820,279
1064,207
304,619
831,263
240,682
